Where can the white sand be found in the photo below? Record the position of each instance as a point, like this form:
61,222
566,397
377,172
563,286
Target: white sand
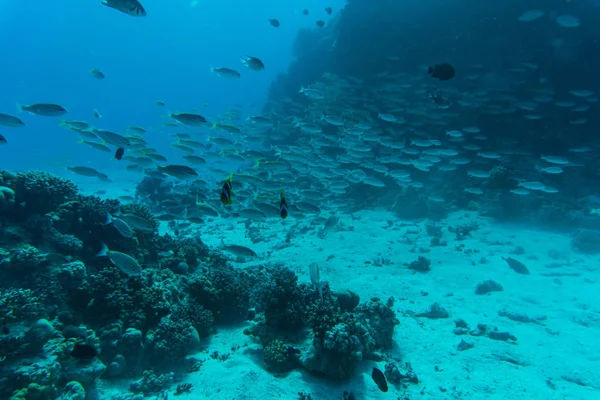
346,258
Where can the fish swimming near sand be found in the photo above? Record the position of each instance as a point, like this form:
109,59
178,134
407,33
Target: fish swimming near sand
240,251
516,266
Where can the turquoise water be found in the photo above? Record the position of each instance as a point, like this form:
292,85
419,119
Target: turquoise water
403,203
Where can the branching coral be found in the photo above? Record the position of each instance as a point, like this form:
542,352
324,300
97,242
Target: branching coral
170,341
19,305
222,290
41,192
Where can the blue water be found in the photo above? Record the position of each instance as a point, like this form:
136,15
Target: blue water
508,99
51,47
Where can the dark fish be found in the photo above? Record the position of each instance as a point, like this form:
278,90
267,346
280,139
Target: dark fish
11,121
443,72
119,153
379,379
97,114
274,23
328,10
84,351
253,63
516,266
3,139
320,23
5,330
226,191
45,109
283,207
129,7
189,119
96,73
305,12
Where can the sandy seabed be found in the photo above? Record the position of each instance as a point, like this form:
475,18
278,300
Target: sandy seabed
555,357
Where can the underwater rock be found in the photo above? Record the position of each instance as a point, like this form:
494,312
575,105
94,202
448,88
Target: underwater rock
435,312
116,367
83,372
462,346
488,287
516,266
421,264
72,391
38,335
400,372
493,333
461,232
7,197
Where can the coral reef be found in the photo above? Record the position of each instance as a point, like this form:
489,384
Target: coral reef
338,340
37,192
57,295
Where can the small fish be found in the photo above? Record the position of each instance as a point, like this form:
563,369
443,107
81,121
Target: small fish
96,73
240,251
193,159
253,63
226,72
516,266
555,160
127,264
443,72
96,145
315,277
130,7
137,222
328,10
119,153
226,191
136,129
320,23
3,139
112,138
75,124
84,351
379,379
160,103
178,171
304,12
11,121
45,109
275,23
228,128
121,226
190,119
85,171
313,94
97,114
283,207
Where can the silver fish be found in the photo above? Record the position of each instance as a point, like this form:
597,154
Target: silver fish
127,264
